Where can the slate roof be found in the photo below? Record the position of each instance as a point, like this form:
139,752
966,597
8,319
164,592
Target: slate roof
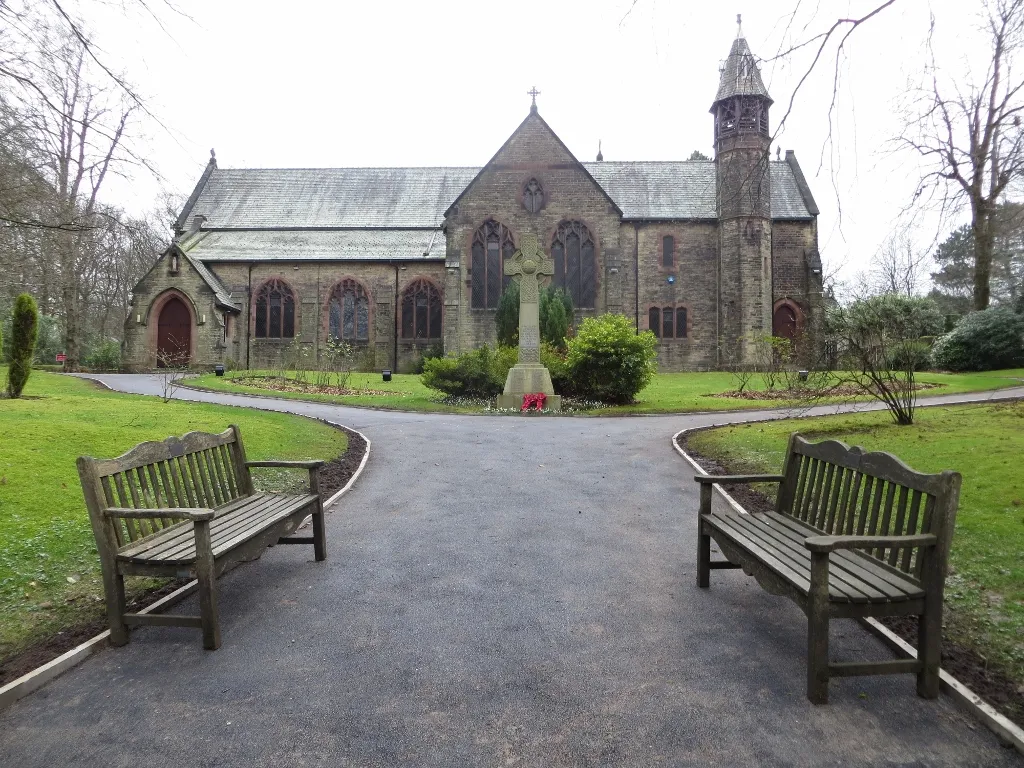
740,74
345,244
275,198
371,214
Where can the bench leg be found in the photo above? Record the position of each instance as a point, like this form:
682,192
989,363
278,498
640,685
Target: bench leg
817,630
205,575
703,539
319,535
113,586
929,646
703,557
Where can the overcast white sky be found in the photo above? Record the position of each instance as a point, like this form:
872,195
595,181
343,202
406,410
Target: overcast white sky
307,84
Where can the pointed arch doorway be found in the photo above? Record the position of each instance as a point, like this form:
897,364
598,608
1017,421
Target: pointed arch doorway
174,334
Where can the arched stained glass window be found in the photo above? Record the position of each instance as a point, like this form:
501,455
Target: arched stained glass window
275,310
575,263
492,245
348,310
421,311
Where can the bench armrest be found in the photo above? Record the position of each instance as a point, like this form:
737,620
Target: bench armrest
736,479
831,543
314,464
189,513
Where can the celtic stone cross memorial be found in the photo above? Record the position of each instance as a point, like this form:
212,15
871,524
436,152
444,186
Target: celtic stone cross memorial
528,376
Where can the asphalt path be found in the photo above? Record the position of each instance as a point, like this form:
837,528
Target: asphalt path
498,591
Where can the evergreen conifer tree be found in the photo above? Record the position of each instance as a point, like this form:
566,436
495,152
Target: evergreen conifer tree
24,328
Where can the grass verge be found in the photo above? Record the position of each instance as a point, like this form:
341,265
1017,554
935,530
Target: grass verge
985,443
667,392
49,568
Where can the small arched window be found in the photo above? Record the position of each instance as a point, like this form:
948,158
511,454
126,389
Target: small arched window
275,310
421,311
348,317
492,246
575,263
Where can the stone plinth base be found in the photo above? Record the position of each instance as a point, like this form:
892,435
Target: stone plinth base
528,379
509,402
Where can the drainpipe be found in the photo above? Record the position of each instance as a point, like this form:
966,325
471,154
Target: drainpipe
394,367
636,273
248,319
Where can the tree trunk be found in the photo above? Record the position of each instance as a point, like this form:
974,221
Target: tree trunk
984,244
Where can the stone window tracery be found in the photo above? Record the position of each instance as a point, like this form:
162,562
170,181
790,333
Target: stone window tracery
574,254
533,196
275,310
421,310
348,312
492,246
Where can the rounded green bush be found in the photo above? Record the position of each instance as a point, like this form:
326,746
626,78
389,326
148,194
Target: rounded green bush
609,361
471,374
982,341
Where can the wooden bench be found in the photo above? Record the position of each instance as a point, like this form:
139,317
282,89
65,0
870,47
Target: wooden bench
186,508
853,534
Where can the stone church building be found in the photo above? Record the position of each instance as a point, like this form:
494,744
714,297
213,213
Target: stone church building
705,253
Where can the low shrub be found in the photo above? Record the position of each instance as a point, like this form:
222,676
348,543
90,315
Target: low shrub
105,356
555,361
471,374
432,352
609,361
982,341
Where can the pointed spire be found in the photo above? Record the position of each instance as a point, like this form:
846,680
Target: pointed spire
600,157
739,26
739,73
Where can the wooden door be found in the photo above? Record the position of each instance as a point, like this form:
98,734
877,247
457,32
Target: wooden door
173,334
784,323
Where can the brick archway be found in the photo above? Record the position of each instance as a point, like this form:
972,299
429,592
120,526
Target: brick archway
787,320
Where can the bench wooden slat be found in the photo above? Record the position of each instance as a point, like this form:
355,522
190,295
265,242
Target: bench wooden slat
797,568
241,524
856,579
859,562
247,518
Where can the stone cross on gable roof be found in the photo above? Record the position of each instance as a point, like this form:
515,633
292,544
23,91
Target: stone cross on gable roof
533,93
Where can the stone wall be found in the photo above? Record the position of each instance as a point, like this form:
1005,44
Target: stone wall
312,284
533,152
138,349
691,282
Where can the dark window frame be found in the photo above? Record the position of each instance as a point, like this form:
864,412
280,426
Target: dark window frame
668,251
274,297
493,244
669,322
574,252
354,328
424,294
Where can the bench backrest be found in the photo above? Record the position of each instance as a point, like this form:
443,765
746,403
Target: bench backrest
197,470
847,491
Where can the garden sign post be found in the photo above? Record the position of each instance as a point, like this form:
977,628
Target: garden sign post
528,376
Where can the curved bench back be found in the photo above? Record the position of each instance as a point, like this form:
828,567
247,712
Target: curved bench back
843,490
197,470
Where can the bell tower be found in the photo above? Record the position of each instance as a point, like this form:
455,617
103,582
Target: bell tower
743,200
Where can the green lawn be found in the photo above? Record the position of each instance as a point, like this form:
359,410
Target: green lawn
49,569
667,393
985,443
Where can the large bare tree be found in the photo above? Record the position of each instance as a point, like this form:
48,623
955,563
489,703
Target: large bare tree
967,129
